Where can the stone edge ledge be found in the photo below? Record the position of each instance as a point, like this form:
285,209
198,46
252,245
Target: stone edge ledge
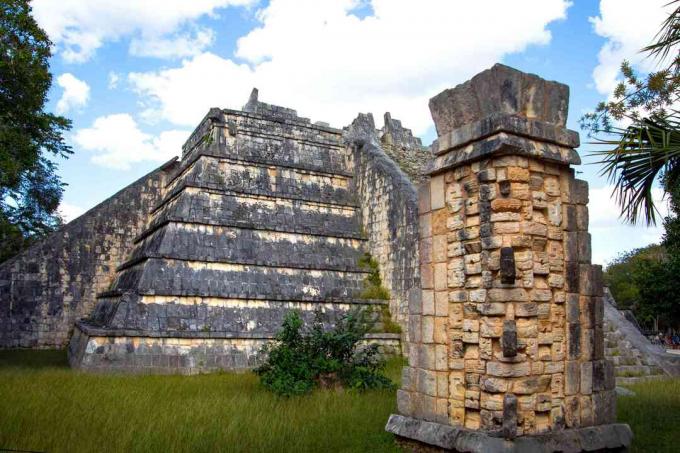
592,438
513,124
502,144
94,331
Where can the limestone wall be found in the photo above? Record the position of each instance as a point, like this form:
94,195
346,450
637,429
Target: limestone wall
44,290
389,215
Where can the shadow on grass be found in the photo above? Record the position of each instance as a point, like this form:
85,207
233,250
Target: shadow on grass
33,359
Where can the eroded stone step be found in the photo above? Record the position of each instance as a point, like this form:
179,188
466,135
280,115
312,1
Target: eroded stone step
270,149
238,176
244,318
620,380
202,206
247,123
619,360
196,278
214,243
632,370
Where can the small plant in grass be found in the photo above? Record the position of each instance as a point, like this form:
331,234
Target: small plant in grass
299,361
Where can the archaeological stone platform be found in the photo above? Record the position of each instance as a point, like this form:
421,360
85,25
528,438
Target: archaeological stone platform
260,217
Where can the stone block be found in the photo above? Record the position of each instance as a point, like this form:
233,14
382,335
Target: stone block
584,250
424,205
437,195
507,295
509,338
491,327
426,382
531,384
404,403
428,329
440,277
526,309
501,369
506,205
493,384
572,377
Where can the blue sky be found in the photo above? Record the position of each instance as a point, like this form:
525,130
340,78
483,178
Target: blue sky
136,77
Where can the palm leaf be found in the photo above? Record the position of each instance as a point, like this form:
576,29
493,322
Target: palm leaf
667,37
642,152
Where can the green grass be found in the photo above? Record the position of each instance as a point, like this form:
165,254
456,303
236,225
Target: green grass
45,406
653,414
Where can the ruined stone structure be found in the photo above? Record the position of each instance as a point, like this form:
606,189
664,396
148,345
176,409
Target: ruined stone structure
506,349
635,358
47,288
193,267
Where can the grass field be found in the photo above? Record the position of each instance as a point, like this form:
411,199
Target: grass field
44,406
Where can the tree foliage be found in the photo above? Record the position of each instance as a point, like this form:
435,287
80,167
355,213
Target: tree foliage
299,361
30,189
647,147
644,281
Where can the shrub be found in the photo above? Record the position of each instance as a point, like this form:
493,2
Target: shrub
373,288
298,361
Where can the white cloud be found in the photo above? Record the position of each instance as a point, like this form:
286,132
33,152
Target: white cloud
69,211
117,142
80,27
628,26
76,93
114,78
183,45
610,234
318,57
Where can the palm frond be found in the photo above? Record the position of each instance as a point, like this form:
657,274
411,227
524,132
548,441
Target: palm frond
667,37
640,154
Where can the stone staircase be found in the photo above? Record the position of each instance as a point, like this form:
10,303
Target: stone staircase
259,218
634,357
630,364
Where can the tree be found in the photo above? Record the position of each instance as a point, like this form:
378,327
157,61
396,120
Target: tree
644,280
30,138
648,149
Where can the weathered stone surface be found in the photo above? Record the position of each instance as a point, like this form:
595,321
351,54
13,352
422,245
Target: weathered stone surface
453,438
509,338
272,213
44,290
507,270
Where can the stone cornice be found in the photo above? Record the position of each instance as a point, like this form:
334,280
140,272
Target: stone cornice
512,124
503,143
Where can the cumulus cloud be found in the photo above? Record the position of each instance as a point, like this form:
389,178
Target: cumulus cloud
627,26
117,142
69,211
183,45
76,93
80,27
323,59
610,234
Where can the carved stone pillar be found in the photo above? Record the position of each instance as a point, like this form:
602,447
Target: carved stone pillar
506,341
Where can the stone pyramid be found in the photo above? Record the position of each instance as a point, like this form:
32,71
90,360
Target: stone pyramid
259,218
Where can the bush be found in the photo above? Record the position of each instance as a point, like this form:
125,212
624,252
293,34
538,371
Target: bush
297,362
373,287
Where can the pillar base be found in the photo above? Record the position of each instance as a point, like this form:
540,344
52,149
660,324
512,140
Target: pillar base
422,436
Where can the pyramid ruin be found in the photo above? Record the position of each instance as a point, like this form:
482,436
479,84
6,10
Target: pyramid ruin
264,213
